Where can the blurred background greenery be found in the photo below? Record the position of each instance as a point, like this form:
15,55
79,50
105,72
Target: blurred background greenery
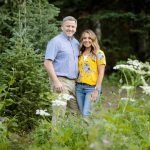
122,26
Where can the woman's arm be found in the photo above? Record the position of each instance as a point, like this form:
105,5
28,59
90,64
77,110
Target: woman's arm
101,71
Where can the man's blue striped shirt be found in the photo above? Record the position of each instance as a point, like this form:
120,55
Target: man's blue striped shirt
64,52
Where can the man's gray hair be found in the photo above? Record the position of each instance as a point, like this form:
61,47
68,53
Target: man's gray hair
69,18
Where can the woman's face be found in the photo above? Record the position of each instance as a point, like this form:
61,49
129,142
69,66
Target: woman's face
86,40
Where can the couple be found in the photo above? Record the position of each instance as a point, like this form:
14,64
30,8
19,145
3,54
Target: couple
76,68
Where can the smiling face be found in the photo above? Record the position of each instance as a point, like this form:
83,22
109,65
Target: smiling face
69,28
86,40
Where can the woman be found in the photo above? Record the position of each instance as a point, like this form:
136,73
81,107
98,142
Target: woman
91,72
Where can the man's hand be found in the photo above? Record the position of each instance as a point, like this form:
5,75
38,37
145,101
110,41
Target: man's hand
58,86
51,72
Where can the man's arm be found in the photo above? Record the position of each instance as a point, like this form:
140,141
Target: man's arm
51,72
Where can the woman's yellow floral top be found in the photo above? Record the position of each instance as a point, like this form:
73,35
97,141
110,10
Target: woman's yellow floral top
88,67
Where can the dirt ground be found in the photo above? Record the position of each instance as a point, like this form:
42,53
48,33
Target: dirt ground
110,95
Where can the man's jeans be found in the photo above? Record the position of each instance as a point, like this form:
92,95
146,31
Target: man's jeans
83,94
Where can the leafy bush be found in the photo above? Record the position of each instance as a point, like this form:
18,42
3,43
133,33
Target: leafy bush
34,20
24,87
23,80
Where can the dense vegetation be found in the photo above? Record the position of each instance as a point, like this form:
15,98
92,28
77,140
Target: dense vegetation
24,87
124,31
122,26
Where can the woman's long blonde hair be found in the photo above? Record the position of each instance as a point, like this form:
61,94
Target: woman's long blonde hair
95,46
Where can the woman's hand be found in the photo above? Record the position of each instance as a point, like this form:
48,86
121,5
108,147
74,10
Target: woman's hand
94,95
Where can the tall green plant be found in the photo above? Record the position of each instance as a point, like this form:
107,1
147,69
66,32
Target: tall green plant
37,16
23,81
134,73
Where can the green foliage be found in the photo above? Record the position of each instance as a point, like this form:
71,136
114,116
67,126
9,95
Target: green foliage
35,19
4,142
111,129
23,79
41,135
67,135
24,85
113,16
134,72
7,126
105,129
74,137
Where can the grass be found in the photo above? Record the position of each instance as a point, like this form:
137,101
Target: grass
108,128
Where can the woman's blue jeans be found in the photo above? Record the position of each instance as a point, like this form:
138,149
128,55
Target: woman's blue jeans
83,95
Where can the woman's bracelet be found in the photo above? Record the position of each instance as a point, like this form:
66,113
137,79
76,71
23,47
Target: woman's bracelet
97,89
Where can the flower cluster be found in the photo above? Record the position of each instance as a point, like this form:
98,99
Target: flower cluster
127,87
122,66
141,70
62,100
128,99
135,66
65,97
42,112
146,89
59,103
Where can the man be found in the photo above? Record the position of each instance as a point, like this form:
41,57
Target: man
61,60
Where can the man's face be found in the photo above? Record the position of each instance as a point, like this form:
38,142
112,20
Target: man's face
69,28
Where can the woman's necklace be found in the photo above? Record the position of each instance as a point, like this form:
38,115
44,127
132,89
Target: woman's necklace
85,57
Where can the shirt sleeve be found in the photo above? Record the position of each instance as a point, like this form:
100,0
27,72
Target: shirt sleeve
51,50
101,59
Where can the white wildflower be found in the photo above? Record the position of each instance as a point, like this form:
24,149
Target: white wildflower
42,112
136,66
106,142
126,99
65,97
59,103
93,145
135,63
124,67
141,72
146,89
59,109
127,87
121,81
132,100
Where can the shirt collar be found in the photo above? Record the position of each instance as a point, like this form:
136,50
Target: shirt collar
68,38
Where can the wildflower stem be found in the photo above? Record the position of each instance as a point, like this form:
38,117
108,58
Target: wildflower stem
125,77
125,106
